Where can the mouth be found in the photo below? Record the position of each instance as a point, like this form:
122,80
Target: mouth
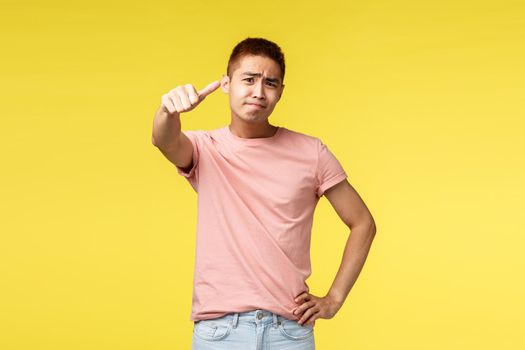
255,105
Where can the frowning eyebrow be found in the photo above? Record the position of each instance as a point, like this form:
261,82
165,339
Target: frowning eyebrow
275,80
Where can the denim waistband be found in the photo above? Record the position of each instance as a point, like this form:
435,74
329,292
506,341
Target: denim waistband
257,316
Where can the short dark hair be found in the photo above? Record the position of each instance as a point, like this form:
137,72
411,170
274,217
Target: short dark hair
258,47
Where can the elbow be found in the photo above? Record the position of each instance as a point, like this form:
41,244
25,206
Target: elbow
367,224
373,228
371,225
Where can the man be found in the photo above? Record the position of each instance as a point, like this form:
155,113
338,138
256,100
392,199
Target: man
258,185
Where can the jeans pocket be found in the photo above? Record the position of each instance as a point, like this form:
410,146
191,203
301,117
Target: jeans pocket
213,329
293,330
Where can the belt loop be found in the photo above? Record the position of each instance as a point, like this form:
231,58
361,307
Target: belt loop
275,320
235,319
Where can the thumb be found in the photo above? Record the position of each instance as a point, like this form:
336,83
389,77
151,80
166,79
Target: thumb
209,89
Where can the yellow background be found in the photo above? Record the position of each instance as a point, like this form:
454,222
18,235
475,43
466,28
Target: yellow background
421,101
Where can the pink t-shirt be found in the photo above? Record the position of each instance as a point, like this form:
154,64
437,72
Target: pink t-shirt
256,200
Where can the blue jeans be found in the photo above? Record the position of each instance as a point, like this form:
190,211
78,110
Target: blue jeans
252,330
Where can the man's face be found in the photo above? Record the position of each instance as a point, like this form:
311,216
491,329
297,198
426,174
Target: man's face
254,88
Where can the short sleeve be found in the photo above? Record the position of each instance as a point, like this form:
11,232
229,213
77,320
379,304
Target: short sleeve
192,174
329,170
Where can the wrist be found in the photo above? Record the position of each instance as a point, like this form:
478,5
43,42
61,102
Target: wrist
337,298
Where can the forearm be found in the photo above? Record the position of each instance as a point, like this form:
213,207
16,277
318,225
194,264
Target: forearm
354,256
166,128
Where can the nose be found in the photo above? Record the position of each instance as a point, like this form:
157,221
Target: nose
258,91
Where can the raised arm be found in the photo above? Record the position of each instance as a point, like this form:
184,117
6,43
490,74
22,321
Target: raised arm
167,135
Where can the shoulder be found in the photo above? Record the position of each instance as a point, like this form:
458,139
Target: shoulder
301,140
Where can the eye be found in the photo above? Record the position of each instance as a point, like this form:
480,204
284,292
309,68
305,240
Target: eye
248,79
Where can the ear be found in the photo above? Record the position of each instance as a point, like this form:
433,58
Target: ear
225,83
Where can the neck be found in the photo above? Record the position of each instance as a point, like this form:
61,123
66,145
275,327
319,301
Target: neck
246,130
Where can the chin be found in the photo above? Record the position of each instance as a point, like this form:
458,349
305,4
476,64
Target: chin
251,119
254,120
